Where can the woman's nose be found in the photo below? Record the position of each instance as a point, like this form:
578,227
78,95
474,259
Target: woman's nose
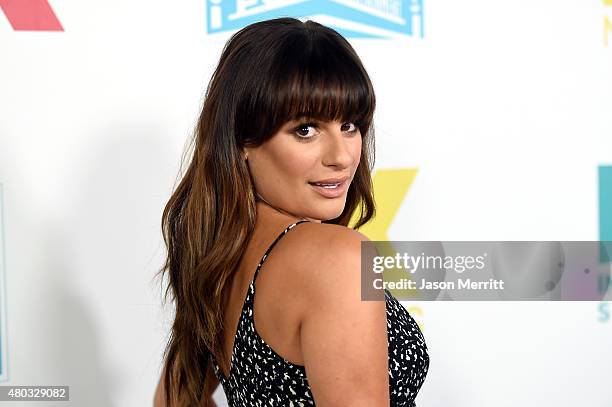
338,151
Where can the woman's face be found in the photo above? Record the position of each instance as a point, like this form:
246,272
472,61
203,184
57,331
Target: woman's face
307,167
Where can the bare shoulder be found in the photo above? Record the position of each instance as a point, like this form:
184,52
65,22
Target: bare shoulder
320,243
327,261
343,339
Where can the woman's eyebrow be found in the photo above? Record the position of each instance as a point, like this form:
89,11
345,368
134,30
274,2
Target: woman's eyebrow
305,118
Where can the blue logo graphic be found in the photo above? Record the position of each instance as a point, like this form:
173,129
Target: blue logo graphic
605,212
605,228
604,311
351,18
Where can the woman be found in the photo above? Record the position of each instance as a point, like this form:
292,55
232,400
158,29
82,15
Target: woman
282,159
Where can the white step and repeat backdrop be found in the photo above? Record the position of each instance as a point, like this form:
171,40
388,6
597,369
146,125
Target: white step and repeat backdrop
494,122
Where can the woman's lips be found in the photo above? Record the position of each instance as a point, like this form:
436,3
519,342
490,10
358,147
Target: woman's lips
331,192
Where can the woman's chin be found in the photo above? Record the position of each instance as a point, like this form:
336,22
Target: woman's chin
328,214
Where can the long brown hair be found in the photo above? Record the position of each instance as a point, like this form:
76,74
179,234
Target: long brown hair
269,72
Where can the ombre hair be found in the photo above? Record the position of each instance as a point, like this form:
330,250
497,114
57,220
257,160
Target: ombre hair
270,72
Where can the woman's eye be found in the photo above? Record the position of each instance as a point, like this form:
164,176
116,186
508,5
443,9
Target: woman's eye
353,129
303,130
307,131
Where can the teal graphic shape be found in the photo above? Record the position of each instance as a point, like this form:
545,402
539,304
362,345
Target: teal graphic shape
399,16
605,212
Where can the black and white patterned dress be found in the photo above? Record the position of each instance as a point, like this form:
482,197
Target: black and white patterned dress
259,376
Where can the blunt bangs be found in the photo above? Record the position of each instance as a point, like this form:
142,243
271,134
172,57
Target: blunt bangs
312,74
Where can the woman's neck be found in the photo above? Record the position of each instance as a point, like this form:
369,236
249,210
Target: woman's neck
268,210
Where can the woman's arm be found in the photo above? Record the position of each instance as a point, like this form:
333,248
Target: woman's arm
159,400
211,385
343,339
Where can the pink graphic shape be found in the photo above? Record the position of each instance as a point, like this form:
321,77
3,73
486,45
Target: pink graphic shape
30,15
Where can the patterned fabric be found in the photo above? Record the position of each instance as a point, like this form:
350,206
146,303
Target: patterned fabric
259,376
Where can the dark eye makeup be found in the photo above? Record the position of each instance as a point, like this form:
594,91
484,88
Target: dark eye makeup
297,131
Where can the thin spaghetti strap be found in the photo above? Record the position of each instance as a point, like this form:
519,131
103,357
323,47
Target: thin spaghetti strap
283,233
